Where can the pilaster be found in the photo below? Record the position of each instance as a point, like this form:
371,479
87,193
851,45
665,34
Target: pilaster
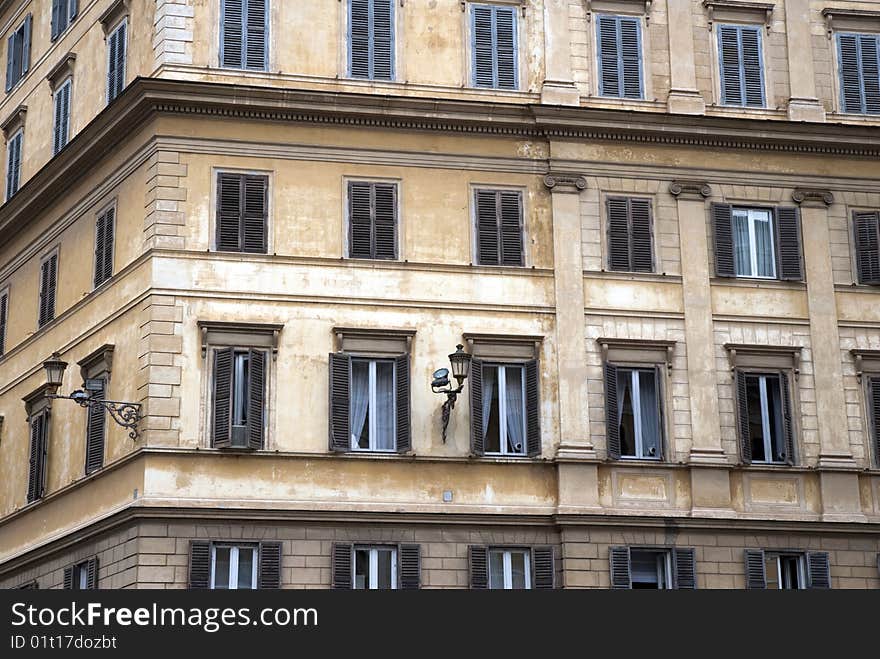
803,105
684,97
558,87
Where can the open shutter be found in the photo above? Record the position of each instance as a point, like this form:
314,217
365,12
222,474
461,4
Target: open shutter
745,435
340,397
511,228
533,408
96,429
255,41
874,393
232,33
37,465
488,240
384,221
360,225
866,230
819,570
612,420
57,128
256,398
618,559
270,566
756,575
850,73
4,310
631,57
723,235
92,573
229,204
359,38
100,239
618,234
10,62
870,73
221,436
787,422
404,439
254,215
543,568
483,45
109,241
116,64
383,40
659,379
72,9
684,566
26,44
478,439
13,164
410,557
478,567
506,47
51,286
341,559
199,564
68,578
788,243
609,56
730,65
641,235
752,66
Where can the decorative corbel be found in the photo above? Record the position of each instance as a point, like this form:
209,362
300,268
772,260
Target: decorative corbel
812,197
859,366
565,182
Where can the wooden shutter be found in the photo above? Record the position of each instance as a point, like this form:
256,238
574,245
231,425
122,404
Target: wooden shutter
116,67
684,568
866,229
756,575
96,428
745,435
13,164
382,61
533,408
741,65
254,214
91,568
4,310
631,57
612,420
255,40
608,29
359,44
72,9
384,221
641,235
68,578
788,243
488,240
341,559
850,74
787,421
62,114
478,567
103,248
256,398
543,568
270,566
401,373
410,558
620,57
26,44
34,467
659,379
478,440
730,64
618,234
618,559
56,19
221,436
510,222
723,236
752,66
10,61
870,73
505,47
483,45
232,33
874,393
199,564
819,571
229,212
340,397
360,220
48,285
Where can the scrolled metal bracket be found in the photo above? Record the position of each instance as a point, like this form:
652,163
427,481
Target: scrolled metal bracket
125,414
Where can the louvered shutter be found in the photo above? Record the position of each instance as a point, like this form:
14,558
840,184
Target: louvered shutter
730,64
56,19
866,230
723,237
109,242
410,557
360,224
618,559
401,374
630,58
511,228
756,575
505,47
359,45
116,64
229,204
384,221
752,66
741,65
483,45
10,61
850,74
48,284
745,435
612,420
533,408
819,571
870,73
609,56
478,567
478,439
13,165
199,565
91,568
255,41
620,57
232,33
618,234
787,420
684,567
62,116
254,214
26,44
340,397
100,248
37,465
543,568
256,398
341,569
221,434
4,310
641,235
488,240
270,566
68,578
96,428
382,60
788,243
874,392
72,9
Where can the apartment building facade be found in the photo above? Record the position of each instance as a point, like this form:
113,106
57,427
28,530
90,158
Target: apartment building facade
653,226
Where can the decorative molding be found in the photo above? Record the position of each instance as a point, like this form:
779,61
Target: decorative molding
565,182
14,121
812,197
741,10
115,12
690,189
855,18
465,3
503,346
764,355
61,71
619,6
239,334
367,340
98,363
652,346
38,400
865,360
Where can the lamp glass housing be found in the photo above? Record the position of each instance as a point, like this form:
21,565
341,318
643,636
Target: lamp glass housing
54,368
461,364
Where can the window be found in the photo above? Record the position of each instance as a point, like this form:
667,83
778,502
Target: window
39,444
239,398
13,163
371,39
763,243
18,53
859,73
104,242
635,412
372,220
242,213
81,576
866,230
4,311
786,570
63,14
765,417
511,568
61,127
650,570
48,286
244,29
619,42
375,568
647,568
494,47
233,567
504,409
229,565
373,412
630,235
116,46
873,407
499,220
741,65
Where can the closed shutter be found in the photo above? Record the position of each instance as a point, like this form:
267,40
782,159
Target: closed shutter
483,46
229,212
199,565
340,397
859,73
506,48
254,215
410,557
787,421
270,566
359,43
372,220
487,228
232,33
38,446
618,234
745,435
62,115
752,67
641,235
116,61
618,559
48,285
243,34
612,420
96,428
478,438
630,235
478,567
13,164
384,221
756,575
684,566
819,570
401,374
866,229
870,73
874,392
26,44
788,243
371,39
494,47
543,568
723,236
104,247
256,26
340,566
609,56
56,19
4,310
221,434
533,409
741,65
383,40
10,61
256,398
91,568
511,228
68,578
360,220
620,57
499,228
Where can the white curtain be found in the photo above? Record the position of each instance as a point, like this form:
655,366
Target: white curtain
515,410
742,259
384,406
650,413
764,245
489,376
360,398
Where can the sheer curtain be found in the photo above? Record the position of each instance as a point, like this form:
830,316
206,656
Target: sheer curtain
489,376
650,414
515,410
764,245
384,406
360,398
742,260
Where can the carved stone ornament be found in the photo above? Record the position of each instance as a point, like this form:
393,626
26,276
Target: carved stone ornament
810,196
566,182
698,189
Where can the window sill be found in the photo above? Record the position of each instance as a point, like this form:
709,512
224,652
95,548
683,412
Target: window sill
626,275
752,282
857,288
639,462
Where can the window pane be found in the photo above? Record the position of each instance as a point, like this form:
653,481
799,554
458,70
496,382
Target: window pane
496,570
756,419
741,248
518,570
764,244
771,567
774,412
239,391
221,567
246,568
83,575
491,413
360,400
384,412
650,413
361,568
789,575
643,568
516,411
384,569
625,412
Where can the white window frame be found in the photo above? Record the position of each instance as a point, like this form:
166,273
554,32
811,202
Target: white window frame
82,575
239,385
664,565
233,563
17,135
635,387
502,409
110,35
372,575
765,414
801,570
507,567
371,405
751,218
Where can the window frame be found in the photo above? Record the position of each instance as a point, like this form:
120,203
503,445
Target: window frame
214,228
475,189
233,564
347,182
502,409
371,404
67,82
111,32
507,568
665,570
17,135
635,370
762,374
753,251
370,579
515,6
801,567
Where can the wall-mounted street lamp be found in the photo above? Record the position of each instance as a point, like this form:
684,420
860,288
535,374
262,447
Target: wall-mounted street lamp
125,414
461,366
